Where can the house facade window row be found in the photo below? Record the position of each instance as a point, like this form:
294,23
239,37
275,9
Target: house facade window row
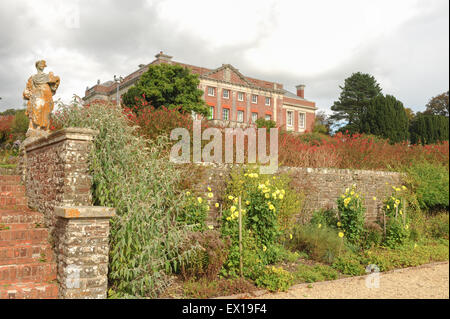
211,91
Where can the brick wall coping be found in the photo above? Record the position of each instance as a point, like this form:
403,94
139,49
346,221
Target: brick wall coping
71,212
71,133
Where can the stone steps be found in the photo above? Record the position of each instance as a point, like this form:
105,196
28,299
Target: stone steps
27,262
29,290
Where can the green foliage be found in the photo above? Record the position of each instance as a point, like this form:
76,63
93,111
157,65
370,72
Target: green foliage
437,226
356,94
438,105
372,236
306,273
351,214
20,124
195,212
320,243
349,264
168,85
209,256
263,123
429,129
430,183
385,117
396,233
132,175
275,279
406,256
326,217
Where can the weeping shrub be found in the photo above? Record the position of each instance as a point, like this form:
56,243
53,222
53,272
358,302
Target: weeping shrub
130,174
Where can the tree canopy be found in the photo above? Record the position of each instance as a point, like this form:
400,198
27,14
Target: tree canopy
438,105
429,129
385,116
170,86
356,94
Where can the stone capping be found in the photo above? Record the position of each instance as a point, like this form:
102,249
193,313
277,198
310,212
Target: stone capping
71,133
319,170
73,212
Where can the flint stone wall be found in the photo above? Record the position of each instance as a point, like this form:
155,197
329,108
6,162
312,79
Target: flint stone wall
321,187
58,184
56,171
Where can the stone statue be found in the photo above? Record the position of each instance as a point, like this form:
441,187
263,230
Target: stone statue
39,92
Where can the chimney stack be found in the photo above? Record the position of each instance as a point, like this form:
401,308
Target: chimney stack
301,90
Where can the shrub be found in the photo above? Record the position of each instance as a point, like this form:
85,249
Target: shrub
209,256
396,233
349,264
321,244
372,235
430,182
195,212
131,174
397,221
305,273
263,123
437,226
275,279
351,214
326,217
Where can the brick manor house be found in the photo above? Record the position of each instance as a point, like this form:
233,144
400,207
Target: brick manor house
230,96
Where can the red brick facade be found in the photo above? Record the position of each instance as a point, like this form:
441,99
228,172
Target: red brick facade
243,97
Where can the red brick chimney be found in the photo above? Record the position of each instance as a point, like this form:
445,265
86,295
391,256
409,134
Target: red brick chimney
163,57
301,90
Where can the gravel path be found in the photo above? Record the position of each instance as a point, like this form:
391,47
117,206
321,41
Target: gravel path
426,281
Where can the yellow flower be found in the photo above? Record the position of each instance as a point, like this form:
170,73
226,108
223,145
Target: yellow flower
210,195
264,248
230,197
207,207
283,192
346,191
199,199
217,205
398,189
352,193
247,202
274,195
393,187
236,200
400,212
388,207
404,187
397,202
271,207
232,208
342,196
406,227
341,234
209,188
290,236
374,198
188,193
210,227
281,196
228,218
267,196
415,245
267,182
319,226
346,201
339,224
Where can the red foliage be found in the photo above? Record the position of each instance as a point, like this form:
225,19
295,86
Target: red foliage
6,122
357,152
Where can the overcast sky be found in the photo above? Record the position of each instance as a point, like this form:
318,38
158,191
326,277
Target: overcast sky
404,44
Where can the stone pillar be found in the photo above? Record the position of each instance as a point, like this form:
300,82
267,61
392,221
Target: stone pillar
82,249
56,169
